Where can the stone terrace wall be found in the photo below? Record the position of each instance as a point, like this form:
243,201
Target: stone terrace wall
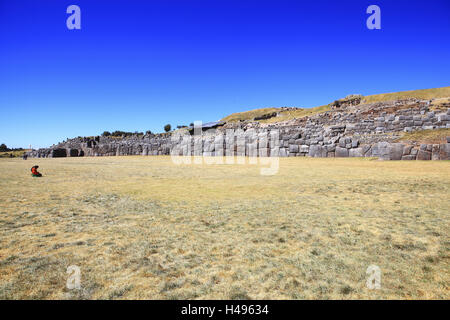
358,131
369,131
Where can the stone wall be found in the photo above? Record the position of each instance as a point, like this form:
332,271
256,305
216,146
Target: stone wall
369,130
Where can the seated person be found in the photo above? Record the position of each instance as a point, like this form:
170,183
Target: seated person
34,172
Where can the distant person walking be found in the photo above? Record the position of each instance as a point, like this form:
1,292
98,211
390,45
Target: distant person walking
34,172
25,156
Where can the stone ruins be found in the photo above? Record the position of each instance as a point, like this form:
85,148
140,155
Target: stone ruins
348,129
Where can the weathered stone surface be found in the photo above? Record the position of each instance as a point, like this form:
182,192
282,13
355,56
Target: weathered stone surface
381,150
295,136
409,157
435,152
367,150
395,151
407,150
407,129
341,152
444,151
339,133
293,148
424,155
315,151
304,148
356,152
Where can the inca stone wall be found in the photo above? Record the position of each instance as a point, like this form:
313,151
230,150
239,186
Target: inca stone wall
369,130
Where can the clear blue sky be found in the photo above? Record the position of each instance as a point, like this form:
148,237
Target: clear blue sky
137,65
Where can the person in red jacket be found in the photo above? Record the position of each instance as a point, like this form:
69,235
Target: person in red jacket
34,172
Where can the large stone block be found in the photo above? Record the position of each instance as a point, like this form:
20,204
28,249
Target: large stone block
356,152
435,152
444,151
293,148
424,155
381,150
331,147
407,150
315,151
367,150
295,136
341,152
304,148
395,151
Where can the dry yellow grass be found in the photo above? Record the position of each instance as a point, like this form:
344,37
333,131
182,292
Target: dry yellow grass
141,227
283,115
426,136
297,114
419,94
440,104
248,115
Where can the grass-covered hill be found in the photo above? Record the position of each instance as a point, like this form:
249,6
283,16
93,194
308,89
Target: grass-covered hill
441,95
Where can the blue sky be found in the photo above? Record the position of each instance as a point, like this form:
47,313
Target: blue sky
137,65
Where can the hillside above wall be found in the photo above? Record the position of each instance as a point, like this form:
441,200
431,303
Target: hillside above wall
439,97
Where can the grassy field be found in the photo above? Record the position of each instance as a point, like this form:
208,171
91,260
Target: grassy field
141,227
